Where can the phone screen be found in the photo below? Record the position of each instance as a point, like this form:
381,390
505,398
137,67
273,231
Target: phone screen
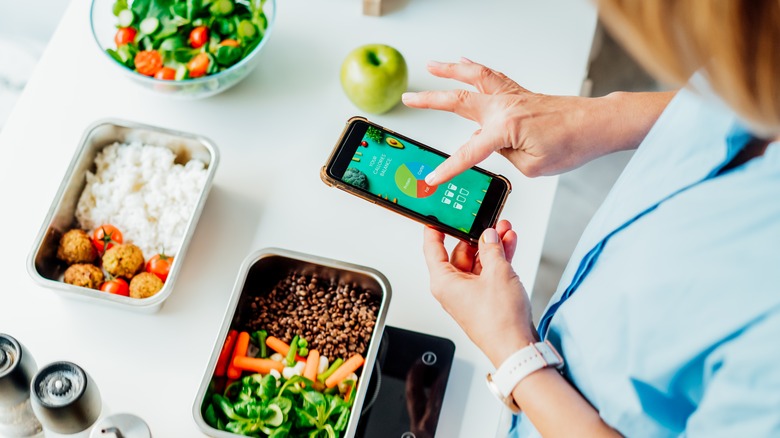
394,169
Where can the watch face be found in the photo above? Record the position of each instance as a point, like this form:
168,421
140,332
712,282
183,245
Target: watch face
507,400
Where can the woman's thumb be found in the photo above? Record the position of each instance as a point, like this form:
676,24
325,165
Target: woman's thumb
491,250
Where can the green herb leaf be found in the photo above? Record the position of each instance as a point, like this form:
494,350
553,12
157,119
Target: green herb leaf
342,420
168,28
211,416
273,415
184,54
172,43
281,432
228,56
224,27
115,55
225,407
119,6
140,8
305,419
160,9
267,389
213,66
285,404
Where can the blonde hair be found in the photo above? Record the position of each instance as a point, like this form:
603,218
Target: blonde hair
735,43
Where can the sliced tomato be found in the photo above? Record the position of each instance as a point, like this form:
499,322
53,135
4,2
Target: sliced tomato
160,265
124,36
198,65
199,37
148,62
116,286
105,236
166,74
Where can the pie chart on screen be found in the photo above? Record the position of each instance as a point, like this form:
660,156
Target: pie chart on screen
410,179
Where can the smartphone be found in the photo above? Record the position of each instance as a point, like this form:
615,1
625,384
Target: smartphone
389,169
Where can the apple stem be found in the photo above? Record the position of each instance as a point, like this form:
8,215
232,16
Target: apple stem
373,59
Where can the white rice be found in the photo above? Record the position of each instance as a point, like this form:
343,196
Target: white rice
138,189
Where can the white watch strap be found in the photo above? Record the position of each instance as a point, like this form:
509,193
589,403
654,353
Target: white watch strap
524,362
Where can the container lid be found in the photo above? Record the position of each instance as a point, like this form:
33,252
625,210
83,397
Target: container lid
16,371
121,426
64,398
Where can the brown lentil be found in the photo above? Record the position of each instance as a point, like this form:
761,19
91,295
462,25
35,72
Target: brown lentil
337,318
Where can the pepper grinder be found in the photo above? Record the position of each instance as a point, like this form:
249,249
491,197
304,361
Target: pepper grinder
17,367
66,400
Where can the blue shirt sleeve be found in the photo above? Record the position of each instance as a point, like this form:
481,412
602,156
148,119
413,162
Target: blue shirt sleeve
742,381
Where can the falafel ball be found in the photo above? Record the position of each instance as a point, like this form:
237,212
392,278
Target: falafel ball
145,285
84,275
76,247
123,260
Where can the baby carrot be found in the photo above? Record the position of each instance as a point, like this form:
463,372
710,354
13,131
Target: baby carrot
333,367
256,364
242,344
226,353
277,345
348,367
281,347
312,362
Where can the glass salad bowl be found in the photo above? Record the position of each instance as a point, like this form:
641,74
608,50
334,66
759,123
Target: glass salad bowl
229,47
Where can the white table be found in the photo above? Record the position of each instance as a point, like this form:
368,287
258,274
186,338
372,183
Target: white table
274,132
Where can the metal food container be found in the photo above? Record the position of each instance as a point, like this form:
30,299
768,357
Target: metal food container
43,265
263,270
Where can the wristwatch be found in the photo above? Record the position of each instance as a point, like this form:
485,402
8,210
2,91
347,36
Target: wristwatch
518,366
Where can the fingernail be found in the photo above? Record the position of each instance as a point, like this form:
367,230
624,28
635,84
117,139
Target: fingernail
465,60
490,236
434,64
408,97
430,178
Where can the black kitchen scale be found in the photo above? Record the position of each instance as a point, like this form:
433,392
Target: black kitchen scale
407,386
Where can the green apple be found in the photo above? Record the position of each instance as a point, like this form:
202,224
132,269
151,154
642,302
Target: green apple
374,76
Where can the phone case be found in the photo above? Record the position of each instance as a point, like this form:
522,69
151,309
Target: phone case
333,182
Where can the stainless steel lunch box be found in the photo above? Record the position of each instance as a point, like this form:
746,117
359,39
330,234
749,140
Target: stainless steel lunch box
259,273
43,265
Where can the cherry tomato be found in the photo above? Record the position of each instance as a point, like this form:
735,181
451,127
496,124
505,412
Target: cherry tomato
105,236
198,65
166,74
364,144
199,37
159,265
229,43
116,286
148,62
124,35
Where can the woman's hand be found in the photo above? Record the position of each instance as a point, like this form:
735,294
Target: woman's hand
482,293
539,134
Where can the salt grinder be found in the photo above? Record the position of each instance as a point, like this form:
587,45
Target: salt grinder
17,368
66,400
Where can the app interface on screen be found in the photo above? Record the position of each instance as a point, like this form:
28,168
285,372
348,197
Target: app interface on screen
395,170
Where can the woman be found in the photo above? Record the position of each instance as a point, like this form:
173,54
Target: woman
668,315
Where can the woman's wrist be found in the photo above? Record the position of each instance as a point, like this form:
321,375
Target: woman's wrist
627,118
509,345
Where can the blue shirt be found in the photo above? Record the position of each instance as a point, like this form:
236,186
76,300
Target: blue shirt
675,331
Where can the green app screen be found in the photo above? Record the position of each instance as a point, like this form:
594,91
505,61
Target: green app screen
395,170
